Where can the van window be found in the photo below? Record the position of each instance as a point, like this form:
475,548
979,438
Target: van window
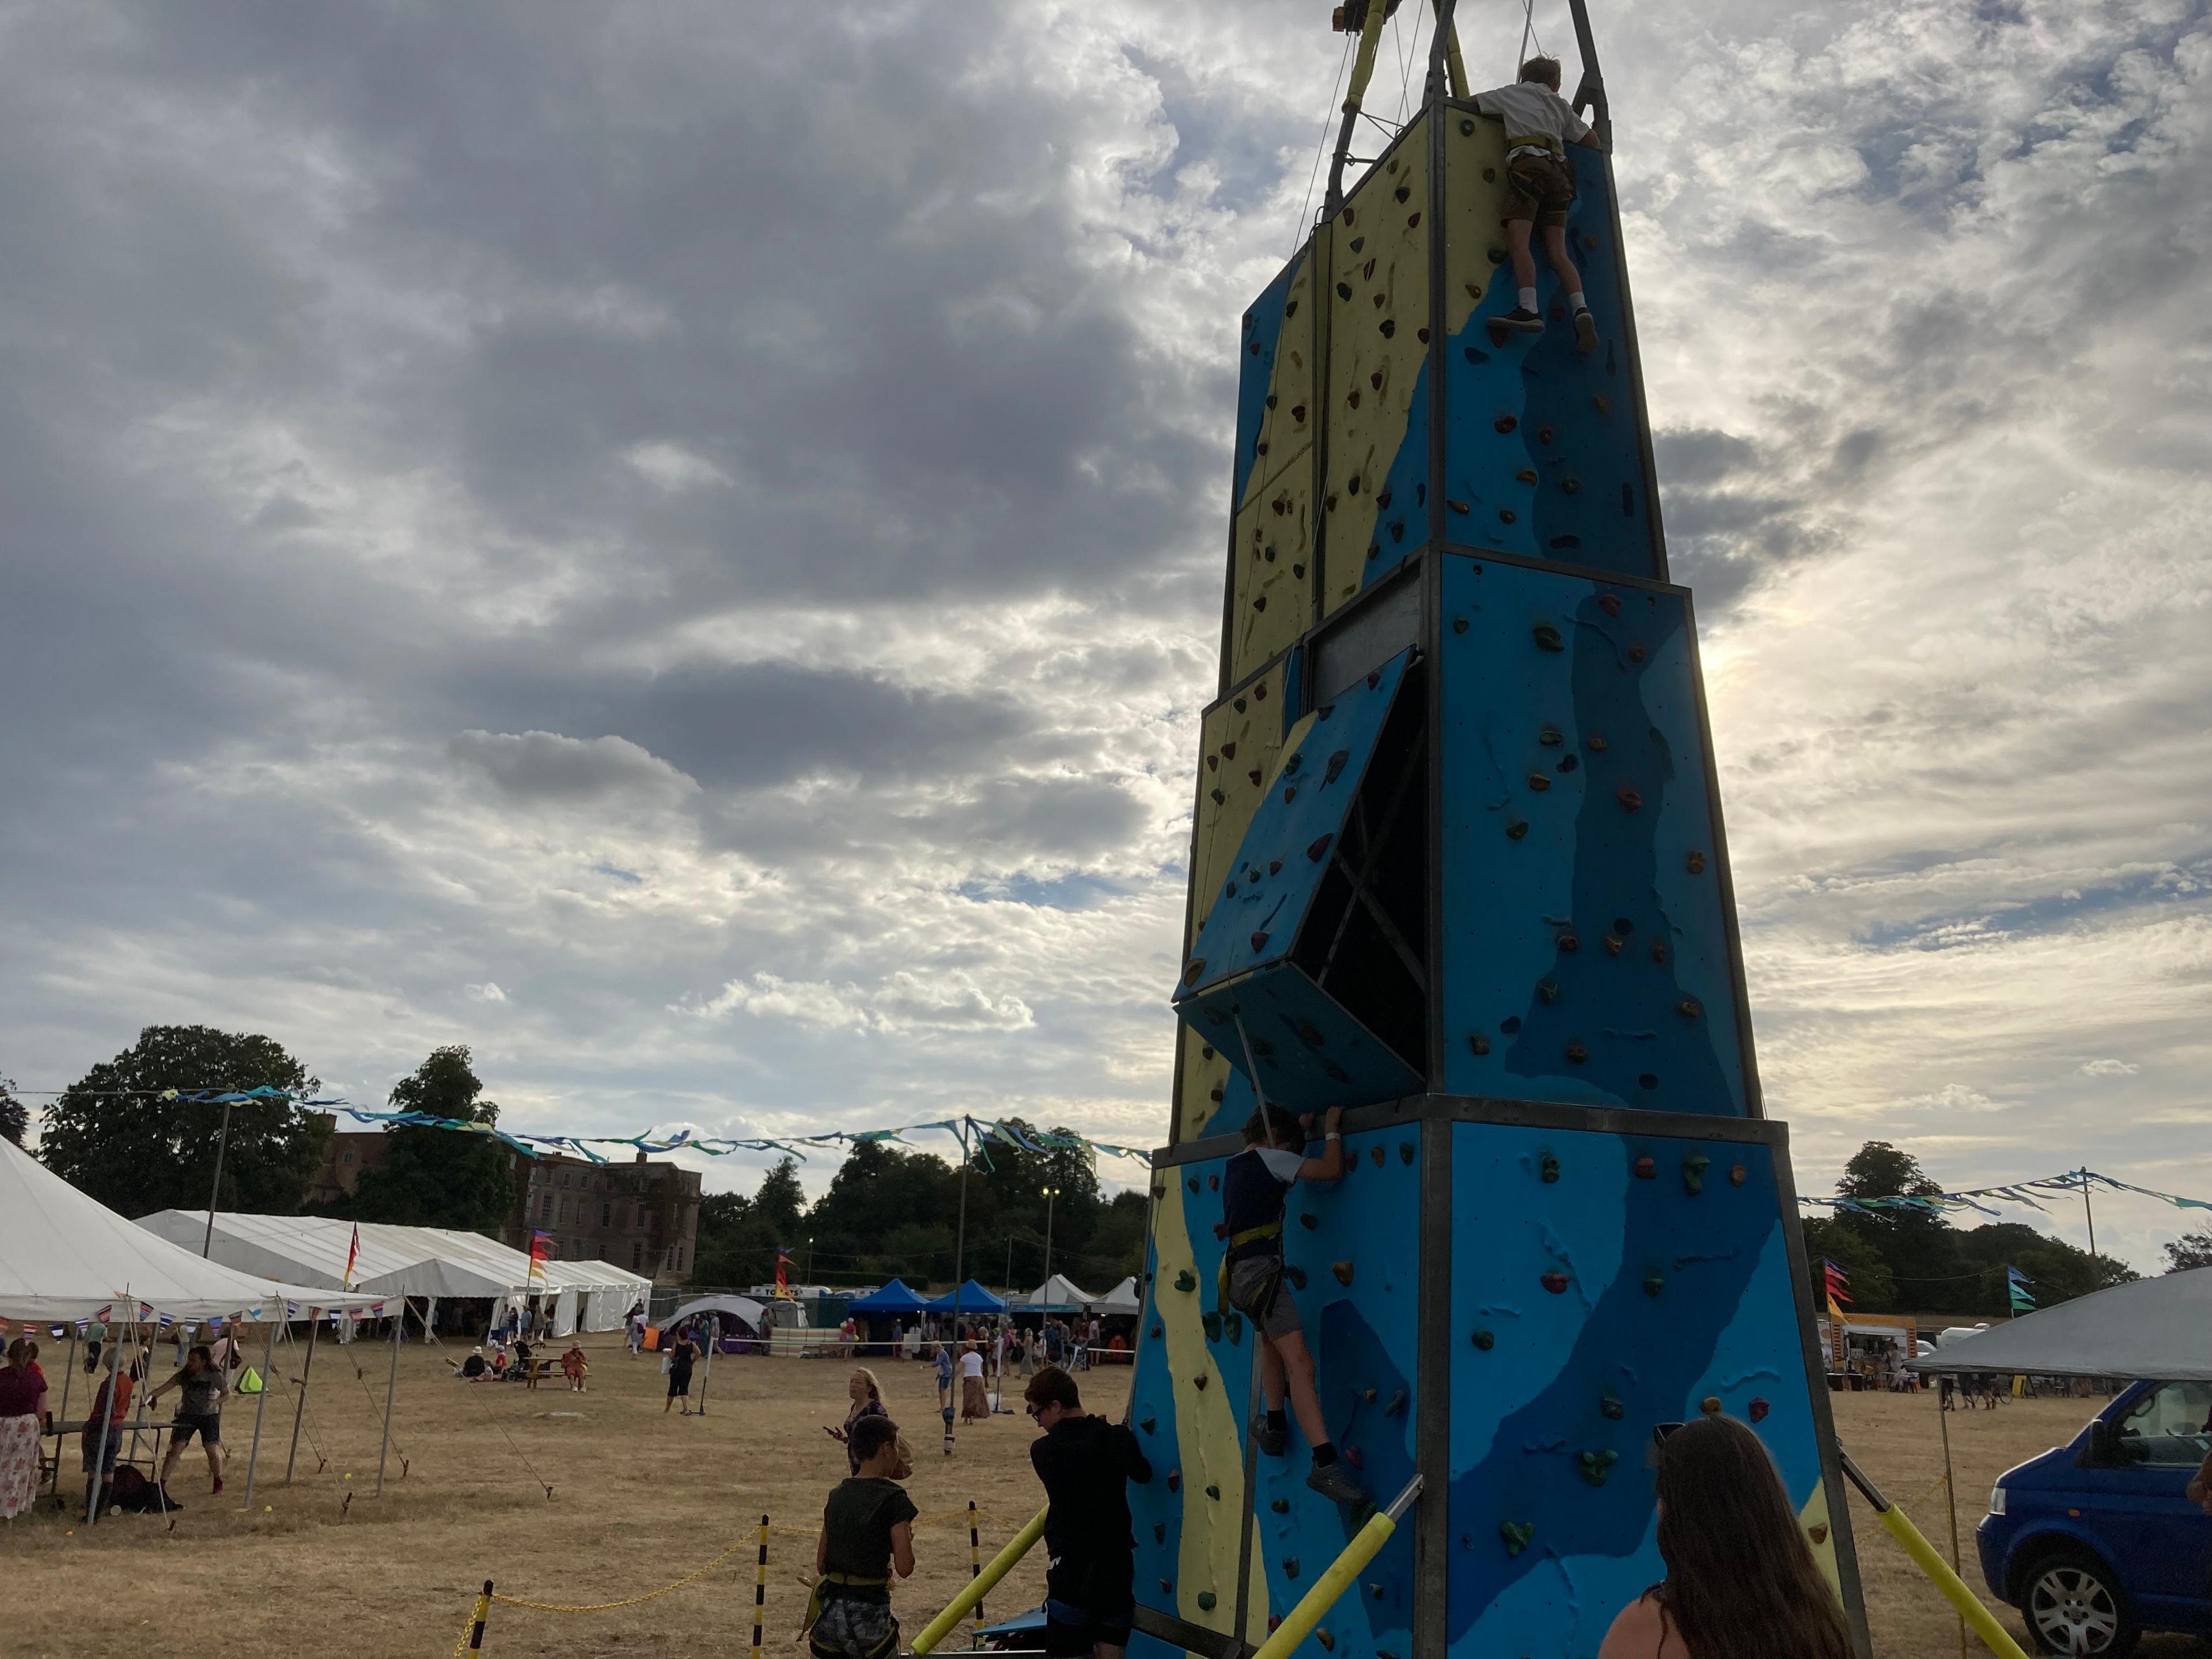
2168,1426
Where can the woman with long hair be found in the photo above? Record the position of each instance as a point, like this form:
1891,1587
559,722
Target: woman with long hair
1741,1583
867,1397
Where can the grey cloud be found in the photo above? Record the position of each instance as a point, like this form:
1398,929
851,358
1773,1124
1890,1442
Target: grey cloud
547,766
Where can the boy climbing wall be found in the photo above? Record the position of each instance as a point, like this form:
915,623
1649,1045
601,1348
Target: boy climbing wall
1540,188
1255,1185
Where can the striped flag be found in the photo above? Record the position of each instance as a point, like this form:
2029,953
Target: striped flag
2016,1290
1837,1284
541,1248
353,1254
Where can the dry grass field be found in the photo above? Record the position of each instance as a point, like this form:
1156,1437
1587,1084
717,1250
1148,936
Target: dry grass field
640,1499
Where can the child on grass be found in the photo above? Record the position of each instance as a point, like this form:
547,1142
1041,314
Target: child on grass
867,1535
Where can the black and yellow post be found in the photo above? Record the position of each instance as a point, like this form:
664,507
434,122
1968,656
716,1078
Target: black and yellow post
975,1571
477,1624
760,1589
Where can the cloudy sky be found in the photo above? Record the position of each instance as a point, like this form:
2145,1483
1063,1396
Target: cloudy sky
680,545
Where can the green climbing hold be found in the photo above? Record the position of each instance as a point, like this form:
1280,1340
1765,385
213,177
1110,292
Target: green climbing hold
1234,1325
1214,1493
1192,1183
1185,1280
1405,1151
1212,1323
1596,1465
1694,1173
1205,1601
1290,1567
1159,1532
1199,1379
1486,1340
1549,1169
1397,1404
1653,1283
1149,1425
1517,1534
1608,1406
1374,1590
1296,1276
1281,1506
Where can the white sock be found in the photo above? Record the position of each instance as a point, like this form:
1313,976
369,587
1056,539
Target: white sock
1575,301
1528,299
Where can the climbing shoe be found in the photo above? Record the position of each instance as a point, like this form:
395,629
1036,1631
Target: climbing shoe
1335,1483
1586,332
1523,319
1271,1441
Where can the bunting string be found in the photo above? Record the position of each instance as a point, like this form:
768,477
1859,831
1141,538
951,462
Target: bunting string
2032,1193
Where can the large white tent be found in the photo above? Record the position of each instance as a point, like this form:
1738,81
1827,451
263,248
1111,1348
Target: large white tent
2160,1328
65,1256
420,1261
1058,1294
1123,1298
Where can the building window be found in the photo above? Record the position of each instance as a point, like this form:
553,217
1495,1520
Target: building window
606,1219
640,1222
343,1157
564,1187
634,1251
545,1213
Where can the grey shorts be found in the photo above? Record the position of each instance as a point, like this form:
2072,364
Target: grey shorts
853,1629
1248,1279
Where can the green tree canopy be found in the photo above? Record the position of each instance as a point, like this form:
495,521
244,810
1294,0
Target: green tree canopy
438,1177
2189,1250
1874,1290
15,1116
111,1136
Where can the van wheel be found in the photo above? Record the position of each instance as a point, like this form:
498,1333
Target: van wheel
2074,1605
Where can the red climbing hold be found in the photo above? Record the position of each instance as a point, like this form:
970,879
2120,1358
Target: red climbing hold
1647,1168
1609,602
1757,1409
1259,941
1630,799
1569,942
1556,1283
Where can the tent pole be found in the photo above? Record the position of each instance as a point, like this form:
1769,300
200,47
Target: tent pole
2091,1216
108,1356
299,1410
215,1195
260,1411
1951,1497
68,1377
390,1385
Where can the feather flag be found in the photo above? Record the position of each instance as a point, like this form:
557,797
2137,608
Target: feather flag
353,1254
1837,1284
2016,1290
541,1248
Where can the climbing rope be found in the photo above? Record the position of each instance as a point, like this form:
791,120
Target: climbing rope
1298,232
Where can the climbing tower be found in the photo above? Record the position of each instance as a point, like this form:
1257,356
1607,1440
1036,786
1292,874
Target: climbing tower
1457,867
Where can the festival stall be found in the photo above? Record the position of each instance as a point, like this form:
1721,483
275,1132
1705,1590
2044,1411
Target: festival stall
1057,1295
1124,1301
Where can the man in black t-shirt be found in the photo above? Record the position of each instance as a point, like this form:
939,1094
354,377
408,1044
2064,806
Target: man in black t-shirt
867,1535
1086,1464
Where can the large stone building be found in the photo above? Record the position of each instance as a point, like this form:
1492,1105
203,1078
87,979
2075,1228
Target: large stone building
643,1215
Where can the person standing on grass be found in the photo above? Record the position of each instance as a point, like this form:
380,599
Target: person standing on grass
1540,188
1741,1581
110,1402
524,1366
200,1388
637,1323
680,1373
867,1535
22,1404
867,1398
1086,1463
974,1403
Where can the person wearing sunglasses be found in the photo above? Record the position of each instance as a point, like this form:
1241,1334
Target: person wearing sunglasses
1086,1463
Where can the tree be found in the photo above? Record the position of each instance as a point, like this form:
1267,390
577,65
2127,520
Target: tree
2189,1250
114,1136
438,1177
1917,1245
15,1116
781,1201
1117,1248
2059,1271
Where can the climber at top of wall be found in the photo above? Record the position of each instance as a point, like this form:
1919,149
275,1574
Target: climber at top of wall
1540,124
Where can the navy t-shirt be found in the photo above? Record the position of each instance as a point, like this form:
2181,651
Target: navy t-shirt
1254,1187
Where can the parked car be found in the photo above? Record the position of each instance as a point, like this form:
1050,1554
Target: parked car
2096,1541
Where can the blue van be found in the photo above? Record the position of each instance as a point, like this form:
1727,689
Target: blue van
2096,1542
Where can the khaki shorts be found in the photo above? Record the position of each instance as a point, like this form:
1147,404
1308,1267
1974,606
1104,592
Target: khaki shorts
1248,1280
1538,188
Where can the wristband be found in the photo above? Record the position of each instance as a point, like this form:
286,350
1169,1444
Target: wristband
1334,1134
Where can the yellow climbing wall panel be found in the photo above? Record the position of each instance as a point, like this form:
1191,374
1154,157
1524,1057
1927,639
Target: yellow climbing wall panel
1243,742
1378,339
1272,537
1474,201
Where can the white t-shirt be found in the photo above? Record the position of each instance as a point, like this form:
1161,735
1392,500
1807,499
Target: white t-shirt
1282,1162
1537,119
971,1365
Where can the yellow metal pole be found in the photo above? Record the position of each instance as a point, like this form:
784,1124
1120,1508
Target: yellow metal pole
1298,1623
1363,70
476,1627
1453,61
1931,1561
982,1584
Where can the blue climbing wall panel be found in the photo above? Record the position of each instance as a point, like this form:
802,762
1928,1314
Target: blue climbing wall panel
1566,1222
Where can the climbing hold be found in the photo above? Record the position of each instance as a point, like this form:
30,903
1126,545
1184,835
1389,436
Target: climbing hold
1554,1281
1166,1585
1516,829
1274,1621
1757,1409
1647,1079
1296,1276
1326,1640
1308,1219
1397,1404
1474,292
1498,256
1148,1424
1199,1380
1506,516
1636,653
1547,637
1336,765
1388,325
1738,1175
1609,602
1572,485
1505,423
1818,1532
1196,965
1156,1333
1343,1271
1545,434
1205,1601
1175,1479
1612,944
1658,950
1547,989
1629,798
1550,736
1549,1170
1569,943
1477,1041
1596,1465
1526,475
1538,782
1281,1506
1603,404
1466,129
1696,862
1576,1052
1594,744
1375,1152
1607,1406
1213,1492
1458,624
1368,1394
1234,1325
1206,1051
1356,1457
1259,942
1185,1280
1191,1182
1459,506
1517,1534
1646,1167
1486,1340
1653,1283
1290,1567
1711,1404
1315,849
1211,1322
1344,290
1694,1173
1689,1007
1405,1151
1374,1590
1159,1532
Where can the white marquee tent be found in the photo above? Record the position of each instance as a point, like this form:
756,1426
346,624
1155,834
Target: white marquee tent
1057,1295
1123,1298
420,1261
66,1256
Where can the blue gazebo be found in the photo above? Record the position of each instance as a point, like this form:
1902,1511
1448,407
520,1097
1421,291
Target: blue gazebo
974,1298
893,1301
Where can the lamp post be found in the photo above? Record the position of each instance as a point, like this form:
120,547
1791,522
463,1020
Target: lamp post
1050,1193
